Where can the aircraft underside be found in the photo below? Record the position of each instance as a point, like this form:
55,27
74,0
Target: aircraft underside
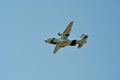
64,41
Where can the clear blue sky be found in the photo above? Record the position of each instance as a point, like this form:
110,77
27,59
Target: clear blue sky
25,24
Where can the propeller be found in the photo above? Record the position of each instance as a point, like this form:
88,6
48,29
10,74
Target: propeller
59,34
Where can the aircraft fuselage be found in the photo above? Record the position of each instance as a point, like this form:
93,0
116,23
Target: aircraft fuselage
66,42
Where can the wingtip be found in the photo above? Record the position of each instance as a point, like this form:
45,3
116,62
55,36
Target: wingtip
54,52
72,22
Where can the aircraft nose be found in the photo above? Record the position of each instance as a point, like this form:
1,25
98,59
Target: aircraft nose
47,40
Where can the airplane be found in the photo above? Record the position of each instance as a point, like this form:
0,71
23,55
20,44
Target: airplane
64,41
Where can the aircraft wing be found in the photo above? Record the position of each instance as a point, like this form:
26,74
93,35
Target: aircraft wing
66,33
57,47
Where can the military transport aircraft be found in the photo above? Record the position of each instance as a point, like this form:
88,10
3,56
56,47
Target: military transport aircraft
64,41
